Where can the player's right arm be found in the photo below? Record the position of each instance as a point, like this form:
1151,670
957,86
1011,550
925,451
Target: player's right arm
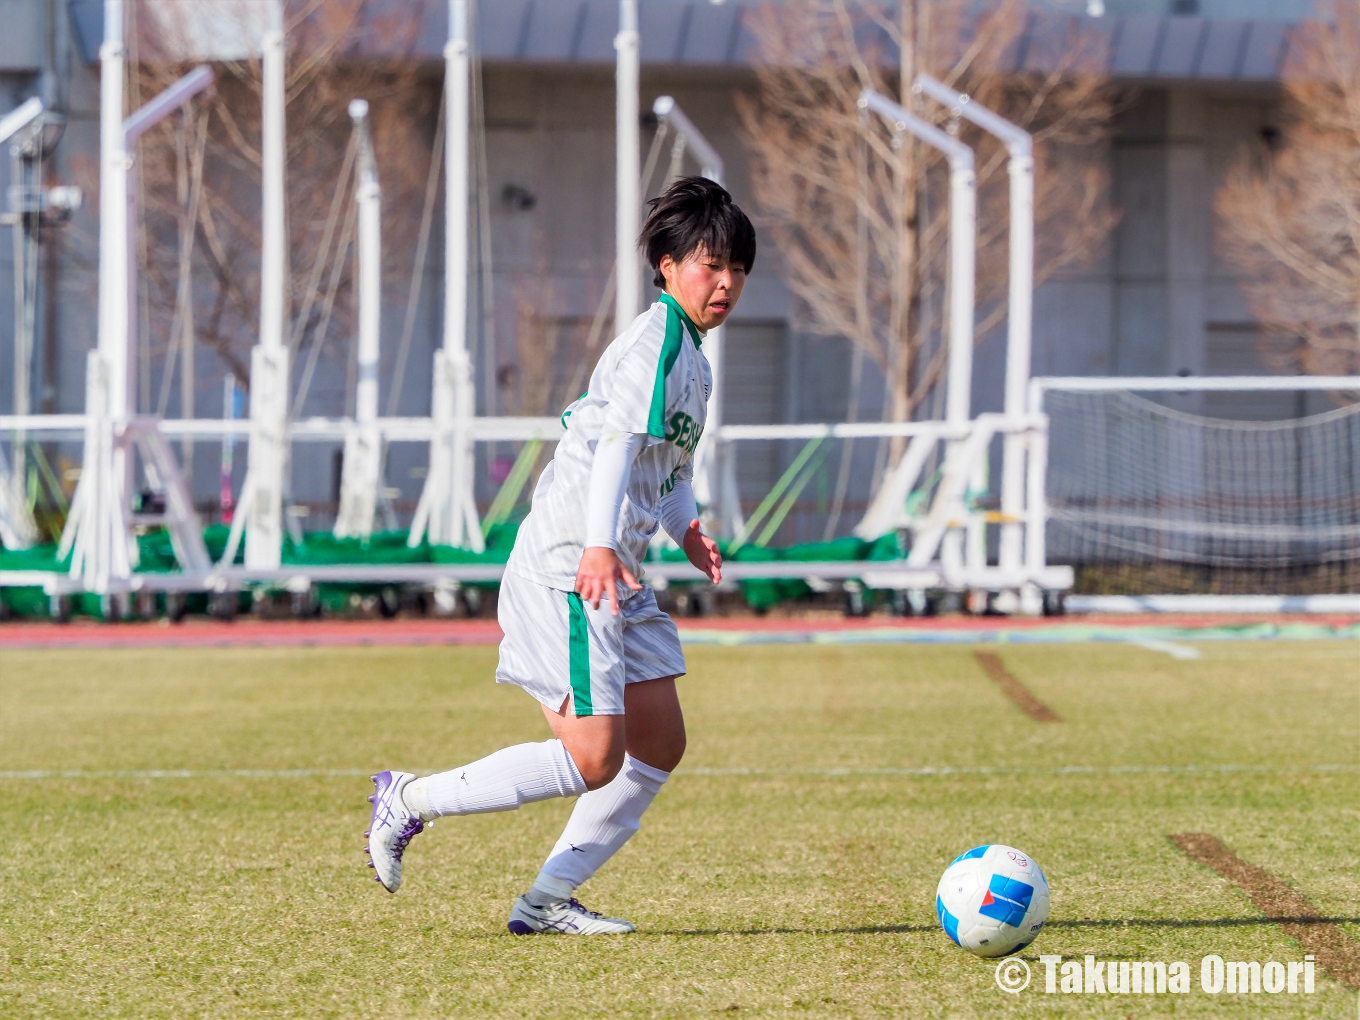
632,385
601,571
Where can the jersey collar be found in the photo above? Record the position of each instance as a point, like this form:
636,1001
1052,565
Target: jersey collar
694,333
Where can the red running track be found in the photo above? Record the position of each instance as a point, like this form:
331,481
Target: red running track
247,633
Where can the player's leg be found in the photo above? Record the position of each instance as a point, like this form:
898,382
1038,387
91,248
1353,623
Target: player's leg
591,726
502,781
604,819
548,650
596,743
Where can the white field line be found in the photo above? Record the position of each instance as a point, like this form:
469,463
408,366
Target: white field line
1171,648
929,770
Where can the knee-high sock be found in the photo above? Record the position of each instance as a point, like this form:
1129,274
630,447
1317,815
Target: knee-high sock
602,821
499,782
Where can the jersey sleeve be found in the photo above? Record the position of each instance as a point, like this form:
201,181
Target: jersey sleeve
677,506
609,473
636,382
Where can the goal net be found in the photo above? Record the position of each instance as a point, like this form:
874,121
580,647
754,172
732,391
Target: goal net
1144,498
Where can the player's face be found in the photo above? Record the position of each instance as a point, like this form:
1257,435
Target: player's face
706,286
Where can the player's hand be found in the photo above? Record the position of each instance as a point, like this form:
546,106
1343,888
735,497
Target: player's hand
599,575
703,552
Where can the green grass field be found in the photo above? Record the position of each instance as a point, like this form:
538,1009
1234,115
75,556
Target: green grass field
765,882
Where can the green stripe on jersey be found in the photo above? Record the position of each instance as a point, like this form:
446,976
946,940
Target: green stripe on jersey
694,333
578,655
567,413
676,324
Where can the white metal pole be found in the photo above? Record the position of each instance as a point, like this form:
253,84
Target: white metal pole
962,258
460,526
113,213
18,187
1019,319
447,511
456,98
361,475
226,496
962,239
627,130
97,531
143,120
1018,348
273,260
368,196
262,495
22,128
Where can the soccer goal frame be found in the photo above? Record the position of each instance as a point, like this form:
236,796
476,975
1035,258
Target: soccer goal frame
1041,388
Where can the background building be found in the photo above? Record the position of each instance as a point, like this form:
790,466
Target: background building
1200,81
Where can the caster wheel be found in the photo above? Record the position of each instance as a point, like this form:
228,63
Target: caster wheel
61,608
222,605
176,606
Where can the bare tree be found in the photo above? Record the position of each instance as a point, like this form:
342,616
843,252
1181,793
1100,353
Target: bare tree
200,176
861,222
1289,212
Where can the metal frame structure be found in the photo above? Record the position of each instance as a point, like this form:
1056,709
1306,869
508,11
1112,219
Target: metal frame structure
1020,296
447,513
98,532
22,129
953,533
1035,534
259,512
887,509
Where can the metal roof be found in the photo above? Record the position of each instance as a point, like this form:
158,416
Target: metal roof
704,33
701,32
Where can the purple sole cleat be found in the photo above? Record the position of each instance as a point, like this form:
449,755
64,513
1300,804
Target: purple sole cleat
391,828
518,927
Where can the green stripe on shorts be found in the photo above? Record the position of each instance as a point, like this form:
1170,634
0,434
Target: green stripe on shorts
578,655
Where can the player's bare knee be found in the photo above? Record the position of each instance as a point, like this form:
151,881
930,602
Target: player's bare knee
599,769
668,752
678,746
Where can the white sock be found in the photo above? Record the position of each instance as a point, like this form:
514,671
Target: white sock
499,782
602,821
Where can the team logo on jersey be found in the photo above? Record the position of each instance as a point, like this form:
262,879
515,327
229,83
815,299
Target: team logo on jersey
683,431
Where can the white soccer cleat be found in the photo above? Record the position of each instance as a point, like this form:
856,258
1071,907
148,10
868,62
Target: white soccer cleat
563,917
391,827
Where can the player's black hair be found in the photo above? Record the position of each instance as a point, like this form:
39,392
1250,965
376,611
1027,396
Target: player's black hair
695,212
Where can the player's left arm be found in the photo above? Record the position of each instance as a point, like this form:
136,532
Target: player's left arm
680,519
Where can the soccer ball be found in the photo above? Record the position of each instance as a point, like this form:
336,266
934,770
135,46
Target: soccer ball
992,900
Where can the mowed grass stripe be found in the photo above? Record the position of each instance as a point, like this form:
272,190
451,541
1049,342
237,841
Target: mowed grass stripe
1337,954
1020,694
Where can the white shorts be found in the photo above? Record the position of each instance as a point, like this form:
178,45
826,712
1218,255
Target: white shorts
555,645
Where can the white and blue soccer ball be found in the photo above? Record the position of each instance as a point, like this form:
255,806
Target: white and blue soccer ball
992,900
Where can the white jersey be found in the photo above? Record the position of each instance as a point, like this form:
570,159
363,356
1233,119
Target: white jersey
653,381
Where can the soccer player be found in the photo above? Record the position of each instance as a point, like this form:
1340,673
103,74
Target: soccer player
582,634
